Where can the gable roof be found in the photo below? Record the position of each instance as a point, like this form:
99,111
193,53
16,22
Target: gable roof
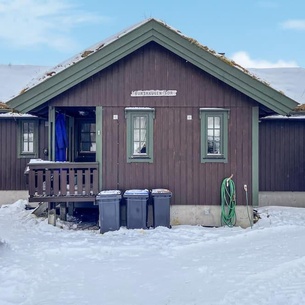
107,52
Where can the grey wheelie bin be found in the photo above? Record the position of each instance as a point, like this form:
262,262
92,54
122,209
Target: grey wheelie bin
109,210
161,207
136,210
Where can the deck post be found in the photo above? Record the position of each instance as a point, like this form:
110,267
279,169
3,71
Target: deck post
52,213
71,208
63,211
99,142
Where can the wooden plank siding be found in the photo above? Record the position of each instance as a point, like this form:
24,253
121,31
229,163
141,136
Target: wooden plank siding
176,164
281,155
11,167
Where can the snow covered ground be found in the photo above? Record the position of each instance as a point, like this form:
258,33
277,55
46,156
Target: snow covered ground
41,264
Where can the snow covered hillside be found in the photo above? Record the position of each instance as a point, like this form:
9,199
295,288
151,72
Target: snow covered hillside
13,78
42,264
290,81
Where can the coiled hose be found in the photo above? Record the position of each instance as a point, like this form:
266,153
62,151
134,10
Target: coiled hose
228,202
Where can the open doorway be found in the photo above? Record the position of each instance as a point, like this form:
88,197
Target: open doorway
75,134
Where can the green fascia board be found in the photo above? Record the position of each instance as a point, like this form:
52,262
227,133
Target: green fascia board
156,31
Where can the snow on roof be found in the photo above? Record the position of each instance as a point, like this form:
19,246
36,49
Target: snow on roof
16,115
78,57
284,117
139,108
287,81
96,47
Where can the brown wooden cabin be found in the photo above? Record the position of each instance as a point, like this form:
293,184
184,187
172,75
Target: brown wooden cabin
282,153
282,164
13,160
152,108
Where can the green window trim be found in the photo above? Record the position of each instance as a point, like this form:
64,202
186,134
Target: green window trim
27,145
214,135
139,134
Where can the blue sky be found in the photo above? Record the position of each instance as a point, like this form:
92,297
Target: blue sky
263,33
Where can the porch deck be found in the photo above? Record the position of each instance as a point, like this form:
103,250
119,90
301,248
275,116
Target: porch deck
62,181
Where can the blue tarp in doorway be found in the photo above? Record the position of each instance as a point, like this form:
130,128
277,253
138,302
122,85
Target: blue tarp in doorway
61,143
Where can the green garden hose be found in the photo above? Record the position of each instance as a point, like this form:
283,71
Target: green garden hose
228,202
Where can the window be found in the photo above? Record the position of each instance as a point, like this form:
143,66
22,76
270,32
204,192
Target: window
87,138
28,139
214,135
139,134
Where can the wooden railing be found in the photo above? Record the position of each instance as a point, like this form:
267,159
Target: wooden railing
62,181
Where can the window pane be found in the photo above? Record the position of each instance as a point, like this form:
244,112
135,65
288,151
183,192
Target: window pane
139,134
85,127
25,147
136,148
136,122
143,148
217,122
31,147
87,137
92,137
27,137
93,147
214,147
213,135
210,122
143,122
92,127
210,147
143,134
210,132
136,135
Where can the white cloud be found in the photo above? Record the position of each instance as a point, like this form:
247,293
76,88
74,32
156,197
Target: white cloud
242,58
27,23
294,24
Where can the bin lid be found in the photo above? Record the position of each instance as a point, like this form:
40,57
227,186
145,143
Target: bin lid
160,191
109,194
136,192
